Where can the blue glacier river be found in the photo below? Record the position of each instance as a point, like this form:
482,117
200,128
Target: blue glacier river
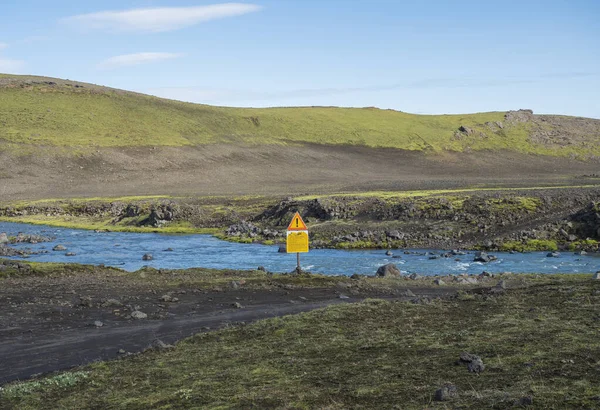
125,251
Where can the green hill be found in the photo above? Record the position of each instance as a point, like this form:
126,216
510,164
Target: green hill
46,111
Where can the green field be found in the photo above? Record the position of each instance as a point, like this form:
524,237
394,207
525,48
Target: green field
538,341
61,115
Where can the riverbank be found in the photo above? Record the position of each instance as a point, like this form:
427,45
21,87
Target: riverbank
535,337
532,219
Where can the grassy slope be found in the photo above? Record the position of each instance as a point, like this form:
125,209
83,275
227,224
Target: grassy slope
63,115
538,341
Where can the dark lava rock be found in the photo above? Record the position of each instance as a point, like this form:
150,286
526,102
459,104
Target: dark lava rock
355,276
553,255
388,270
147,257
261,268
168,250
525,401
474,362
447,392
389,253
483,257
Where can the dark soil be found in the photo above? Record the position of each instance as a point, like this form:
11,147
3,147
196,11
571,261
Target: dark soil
47,323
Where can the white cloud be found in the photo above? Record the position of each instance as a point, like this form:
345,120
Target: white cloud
8,66
3,46
135,59
159,19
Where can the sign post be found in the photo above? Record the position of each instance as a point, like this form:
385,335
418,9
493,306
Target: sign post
297,238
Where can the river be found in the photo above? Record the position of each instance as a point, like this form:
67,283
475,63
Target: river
125,250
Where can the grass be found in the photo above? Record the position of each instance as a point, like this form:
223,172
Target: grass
435,192
61,115
538,340
89,223
531,245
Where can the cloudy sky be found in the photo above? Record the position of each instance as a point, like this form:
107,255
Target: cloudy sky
424,57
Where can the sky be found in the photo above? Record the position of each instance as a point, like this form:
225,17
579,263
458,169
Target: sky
426,57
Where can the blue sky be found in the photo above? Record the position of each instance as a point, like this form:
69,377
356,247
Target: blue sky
420,57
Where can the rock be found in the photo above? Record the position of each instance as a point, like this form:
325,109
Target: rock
439,282
282,249
98,323
59,248
596,276
406,293
111,303
138,315
389,270
168,298
237,305
501,285
85,301
168,250
261,268
70,254
447,392
553,255
3,238
474,362
525,401
234,285
415,276
160,345
581,253
147,257
482,257
389,253
355,276
341,296
466,130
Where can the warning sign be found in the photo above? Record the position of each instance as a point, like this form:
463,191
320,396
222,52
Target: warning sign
297,224
297,242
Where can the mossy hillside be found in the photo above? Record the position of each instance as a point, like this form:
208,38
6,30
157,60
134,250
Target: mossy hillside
538,341
34,112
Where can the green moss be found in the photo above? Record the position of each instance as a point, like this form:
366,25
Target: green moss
584,244
105,224
529,246
535,340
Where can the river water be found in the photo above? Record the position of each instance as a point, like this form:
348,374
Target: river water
125,251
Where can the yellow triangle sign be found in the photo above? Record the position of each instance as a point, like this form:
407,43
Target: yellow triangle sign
297,224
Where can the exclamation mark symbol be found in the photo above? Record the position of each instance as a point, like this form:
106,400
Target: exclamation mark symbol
297,222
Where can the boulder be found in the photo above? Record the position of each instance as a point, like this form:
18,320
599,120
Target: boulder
59,248
553,255
447,392
473,362
3,238
388,270
147,257
482,257
439,282
138,315
596,276
389,253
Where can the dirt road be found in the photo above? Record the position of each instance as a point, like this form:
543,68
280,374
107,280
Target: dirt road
48,323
